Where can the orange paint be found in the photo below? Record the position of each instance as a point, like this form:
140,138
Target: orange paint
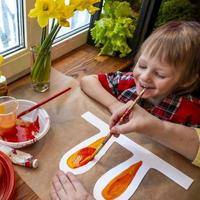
84,155
120,183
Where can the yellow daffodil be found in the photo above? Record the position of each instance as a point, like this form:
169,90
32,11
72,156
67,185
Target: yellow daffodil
59,12
58,9
64,22
43,11
92,9
1,59
85,4
63,13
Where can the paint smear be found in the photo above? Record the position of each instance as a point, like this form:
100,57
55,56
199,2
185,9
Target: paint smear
22,131
84,155
120,183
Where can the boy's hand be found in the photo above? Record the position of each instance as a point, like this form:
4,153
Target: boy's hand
68,187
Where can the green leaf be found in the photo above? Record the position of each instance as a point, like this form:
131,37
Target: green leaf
176,10
111,35
116,9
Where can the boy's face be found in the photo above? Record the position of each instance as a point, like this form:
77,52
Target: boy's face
160,78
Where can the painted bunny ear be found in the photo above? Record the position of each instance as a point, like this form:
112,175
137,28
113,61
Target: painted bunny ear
120,183
122,180
93,141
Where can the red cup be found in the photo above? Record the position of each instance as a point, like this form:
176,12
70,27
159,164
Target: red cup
7,177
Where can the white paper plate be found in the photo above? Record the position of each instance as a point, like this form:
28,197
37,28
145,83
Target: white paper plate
44,123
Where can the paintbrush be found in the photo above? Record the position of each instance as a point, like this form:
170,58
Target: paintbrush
121,119
42,102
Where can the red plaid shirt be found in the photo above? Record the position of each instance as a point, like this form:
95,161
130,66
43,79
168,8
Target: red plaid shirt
182,110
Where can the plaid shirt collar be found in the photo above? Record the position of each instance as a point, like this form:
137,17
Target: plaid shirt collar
166,108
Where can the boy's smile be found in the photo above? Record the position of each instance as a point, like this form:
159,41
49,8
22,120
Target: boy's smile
159,77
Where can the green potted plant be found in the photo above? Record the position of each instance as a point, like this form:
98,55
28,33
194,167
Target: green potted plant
116,25
176,10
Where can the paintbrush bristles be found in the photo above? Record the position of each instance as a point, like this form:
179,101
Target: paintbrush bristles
102,144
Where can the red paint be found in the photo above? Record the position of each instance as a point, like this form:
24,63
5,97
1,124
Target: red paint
80,158
23,131
87,151
86,154
28,163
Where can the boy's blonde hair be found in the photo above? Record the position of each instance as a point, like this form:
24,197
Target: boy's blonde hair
178,44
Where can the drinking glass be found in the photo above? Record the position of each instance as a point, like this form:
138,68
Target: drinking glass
8,117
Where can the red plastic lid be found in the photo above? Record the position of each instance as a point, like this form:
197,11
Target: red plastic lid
7,177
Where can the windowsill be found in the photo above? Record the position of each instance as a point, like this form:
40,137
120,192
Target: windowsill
85,60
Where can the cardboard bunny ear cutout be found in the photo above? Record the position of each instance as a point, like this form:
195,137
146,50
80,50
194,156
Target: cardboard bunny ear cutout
121,181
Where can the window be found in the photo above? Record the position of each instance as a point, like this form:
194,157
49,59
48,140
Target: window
73,36
18,33
78,22
11,27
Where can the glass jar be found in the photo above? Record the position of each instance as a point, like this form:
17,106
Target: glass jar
40,71
3,86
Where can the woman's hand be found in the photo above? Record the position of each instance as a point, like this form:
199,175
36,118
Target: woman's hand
172,135
68,187
139,120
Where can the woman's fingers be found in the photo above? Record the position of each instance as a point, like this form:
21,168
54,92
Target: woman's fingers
118,114
57,188
81,192
75,182
65,181
53,194
68,187
122,129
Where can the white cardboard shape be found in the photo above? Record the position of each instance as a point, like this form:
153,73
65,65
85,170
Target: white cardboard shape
149,160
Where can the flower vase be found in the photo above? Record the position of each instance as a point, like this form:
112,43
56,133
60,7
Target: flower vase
40,71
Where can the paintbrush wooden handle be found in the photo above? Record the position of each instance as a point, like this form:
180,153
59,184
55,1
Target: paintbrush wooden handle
42,103
121,119
126,113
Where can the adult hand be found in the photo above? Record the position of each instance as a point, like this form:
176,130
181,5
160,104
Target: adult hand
139,120
68,187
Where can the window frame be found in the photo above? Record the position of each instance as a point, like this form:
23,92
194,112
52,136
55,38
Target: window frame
19,63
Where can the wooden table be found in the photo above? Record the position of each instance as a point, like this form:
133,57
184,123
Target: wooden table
65,118
21,89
